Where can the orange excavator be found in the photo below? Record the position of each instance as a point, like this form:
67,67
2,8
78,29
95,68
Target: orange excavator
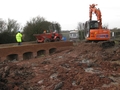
94,32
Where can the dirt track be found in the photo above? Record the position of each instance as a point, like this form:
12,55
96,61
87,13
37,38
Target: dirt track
83,67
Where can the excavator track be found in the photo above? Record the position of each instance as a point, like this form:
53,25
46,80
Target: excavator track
106,44
103,44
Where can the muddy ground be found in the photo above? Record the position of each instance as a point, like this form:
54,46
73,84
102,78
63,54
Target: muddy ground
82,67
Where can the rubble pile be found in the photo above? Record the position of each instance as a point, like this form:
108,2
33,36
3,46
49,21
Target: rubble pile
86,66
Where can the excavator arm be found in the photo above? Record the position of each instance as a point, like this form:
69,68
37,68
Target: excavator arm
93,9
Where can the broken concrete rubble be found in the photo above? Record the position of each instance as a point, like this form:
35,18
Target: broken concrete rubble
83,67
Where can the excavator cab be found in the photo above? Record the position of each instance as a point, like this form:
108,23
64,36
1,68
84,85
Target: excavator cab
90,25
93,24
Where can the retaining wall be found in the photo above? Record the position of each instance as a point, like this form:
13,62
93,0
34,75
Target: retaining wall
23,52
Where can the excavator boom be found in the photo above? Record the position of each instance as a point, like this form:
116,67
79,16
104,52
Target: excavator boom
93,9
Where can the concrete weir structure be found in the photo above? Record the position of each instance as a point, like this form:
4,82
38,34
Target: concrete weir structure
29,51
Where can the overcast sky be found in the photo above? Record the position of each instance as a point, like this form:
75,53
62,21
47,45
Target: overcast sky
68,13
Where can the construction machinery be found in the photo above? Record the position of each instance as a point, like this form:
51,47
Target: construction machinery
94,32
52,36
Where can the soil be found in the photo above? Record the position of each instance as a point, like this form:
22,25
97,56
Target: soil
85,66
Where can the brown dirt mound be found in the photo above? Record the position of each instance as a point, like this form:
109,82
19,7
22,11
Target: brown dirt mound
86,66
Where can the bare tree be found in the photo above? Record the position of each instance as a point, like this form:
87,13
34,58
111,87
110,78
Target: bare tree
105,26
80,26
2,25
8,31
12,25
